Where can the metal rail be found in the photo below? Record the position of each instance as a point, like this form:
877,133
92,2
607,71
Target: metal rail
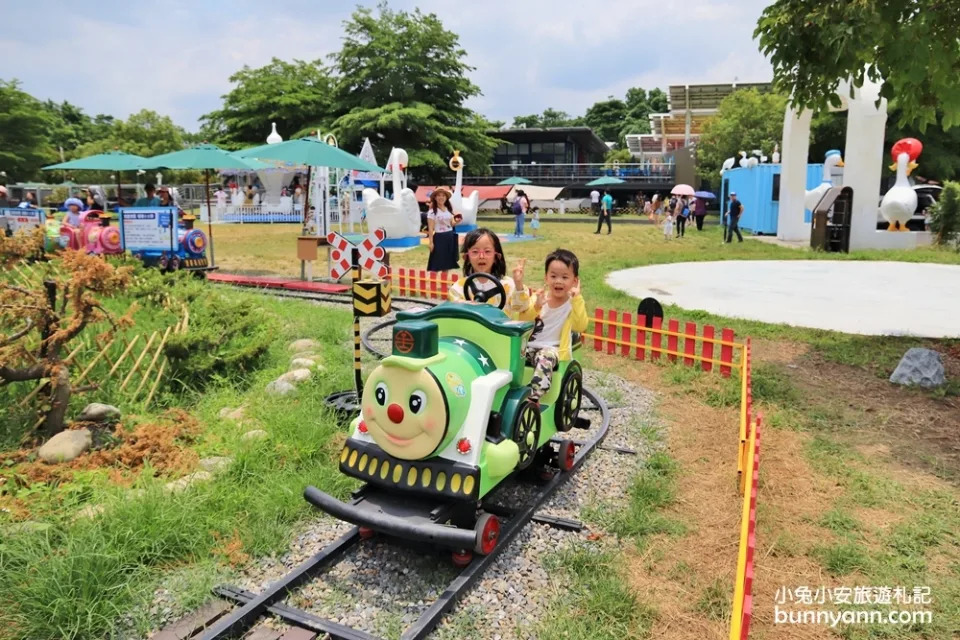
253,606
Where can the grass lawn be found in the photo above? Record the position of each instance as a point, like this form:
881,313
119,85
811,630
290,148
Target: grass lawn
65,575
858,484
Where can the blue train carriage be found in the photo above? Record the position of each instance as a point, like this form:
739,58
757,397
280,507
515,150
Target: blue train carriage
446,419
151,235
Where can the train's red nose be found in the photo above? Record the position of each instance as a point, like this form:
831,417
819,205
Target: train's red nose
395,413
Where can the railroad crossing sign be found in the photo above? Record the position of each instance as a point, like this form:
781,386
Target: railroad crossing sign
370,254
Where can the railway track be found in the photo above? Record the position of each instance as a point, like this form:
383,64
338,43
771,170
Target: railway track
238,613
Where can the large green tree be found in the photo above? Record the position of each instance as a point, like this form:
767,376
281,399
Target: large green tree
402,82
606,118
911,46
745,120
23,133
549,118
295,95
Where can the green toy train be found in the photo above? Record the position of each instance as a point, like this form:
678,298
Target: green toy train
446,418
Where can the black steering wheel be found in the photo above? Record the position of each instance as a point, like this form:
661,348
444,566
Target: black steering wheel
473,293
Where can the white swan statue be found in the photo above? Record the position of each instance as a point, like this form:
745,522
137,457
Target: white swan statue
776,154
900,202
399,217
728,164
466,207
744,160
812,196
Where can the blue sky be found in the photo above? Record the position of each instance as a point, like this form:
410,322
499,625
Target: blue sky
116,57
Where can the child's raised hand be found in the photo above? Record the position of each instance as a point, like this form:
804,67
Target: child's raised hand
539,298
575,290
518,273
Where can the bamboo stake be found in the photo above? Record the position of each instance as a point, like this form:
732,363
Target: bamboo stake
123,355
69,358
143,381
156,383
94,361
136,365
33,393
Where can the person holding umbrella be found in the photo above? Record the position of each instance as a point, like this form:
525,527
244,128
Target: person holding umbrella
700,207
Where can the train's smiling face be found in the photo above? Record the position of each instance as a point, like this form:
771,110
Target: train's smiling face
404,411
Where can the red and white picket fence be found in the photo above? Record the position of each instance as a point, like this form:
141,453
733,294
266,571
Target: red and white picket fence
419,283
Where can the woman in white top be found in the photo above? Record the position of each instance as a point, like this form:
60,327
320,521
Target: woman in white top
441,230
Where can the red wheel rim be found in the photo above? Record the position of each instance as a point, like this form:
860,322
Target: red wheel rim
490,535
569,454
462,558
366,533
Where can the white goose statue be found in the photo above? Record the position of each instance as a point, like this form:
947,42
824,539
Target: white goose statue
399,217
730,163
812,196
466,207
900,202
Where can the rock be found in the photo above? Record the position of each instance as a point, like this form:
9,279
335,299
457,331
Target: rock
91,511
215,464
228,413
304,363
305,344
280,388
920,366
66,445
297,375
308,355
256,434
96,412
179,485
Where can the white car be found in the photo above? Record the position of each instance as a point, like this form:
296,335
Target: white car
927,196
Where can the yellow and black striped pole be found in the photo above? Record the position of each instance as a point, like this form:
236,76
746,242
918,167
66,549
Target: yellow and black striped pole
355,259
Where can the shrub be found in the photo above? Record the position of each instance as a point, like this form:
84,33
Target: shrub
227,339
945,216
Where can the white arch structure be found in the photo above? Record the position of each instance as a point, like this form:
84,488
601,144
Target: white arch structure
863,160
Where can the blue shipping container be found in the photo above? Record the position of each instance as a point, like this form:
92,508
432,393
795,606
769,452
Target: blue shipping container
759,191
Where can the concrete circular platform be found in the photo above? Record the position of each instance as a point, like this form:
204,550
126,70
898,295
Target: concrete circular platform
868,298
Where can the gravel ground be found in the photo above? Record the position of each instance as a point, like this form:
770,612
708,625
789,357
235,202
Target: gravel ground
382,588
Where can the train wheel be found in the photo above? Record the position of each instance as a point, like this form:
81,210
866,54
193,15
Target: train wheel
462,558
526,433
174,263
488,533
570,398
366,533
567,455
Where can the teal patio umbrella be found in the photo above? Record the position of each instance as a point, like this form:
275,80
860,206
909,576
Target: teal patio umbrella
606,180
513,180
206,157
110,161
312,153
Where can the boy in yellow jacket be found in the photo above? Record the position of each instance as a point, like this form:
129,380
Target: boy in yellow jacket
560,311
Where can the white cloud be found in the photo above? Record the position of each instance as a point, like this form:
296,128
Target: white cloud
176,57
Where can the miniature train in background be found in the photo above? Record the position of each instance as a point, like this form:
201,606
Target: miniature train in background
169,247
94,234
447,418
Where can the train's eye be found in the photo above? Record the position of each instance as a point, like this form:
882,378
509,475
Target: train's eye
381,394
418,402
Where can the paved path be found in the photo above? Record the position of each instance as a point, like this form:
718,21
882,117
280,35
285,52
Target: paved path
869,298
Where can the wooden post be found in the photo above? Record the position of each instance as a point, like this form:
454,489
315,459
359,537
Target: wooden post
611,332
707,347
598,329
156,383
94,362
690,344
656,340
726,352
641,337
625,336
674,328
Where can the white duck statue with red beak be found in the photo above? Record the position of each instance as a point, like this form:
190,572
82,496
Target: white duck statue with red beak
399,217
900,202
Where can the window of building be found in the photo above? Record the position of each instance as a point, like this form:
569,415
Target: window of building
775,196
